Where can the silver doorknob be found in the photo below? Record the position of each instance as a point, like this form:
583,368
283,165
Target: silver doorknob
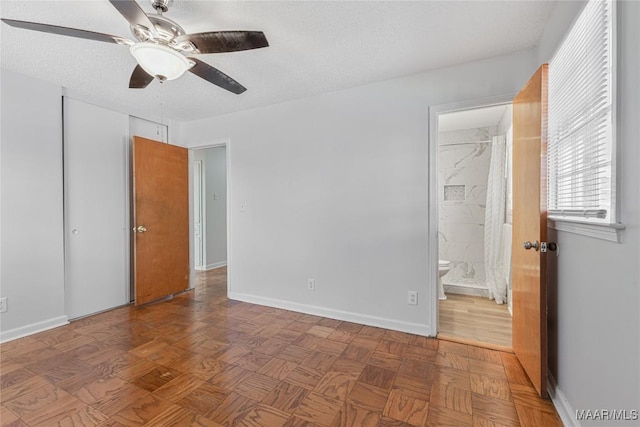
528,245
141,229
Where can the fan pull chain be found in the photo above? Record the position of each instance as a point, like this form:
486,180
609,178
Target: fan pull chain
160,96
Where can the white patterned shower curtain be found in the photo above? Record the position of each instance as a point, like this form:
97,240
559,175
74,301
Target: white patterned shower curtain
494,259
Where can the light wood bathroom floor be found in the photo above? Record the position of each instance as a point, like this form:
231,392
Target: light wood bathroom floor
471,318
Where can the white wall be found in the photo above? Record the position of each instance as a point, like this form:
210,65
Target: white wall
335,189
594,325
216,199
32,259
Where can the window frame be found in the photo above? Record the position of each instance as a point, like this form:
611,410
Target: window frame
592,227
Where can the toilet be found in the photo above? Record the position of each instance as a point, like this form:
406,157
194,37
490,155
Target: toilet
443,268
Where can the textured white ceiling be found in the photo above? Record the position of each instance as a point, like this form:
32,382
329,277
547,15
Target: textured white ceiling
315,47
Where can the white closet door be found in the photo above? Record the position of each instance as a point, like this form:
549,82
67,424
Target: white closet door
96,150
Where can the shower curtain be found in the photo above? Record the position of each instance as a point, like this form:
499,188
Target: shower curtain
494,260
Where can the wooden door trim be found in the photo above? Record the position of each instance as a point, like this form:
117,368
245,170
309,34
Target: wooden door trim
432,192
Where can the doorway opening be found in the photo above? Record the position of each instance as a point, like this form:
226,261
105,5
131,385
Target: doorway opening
209,211
474,224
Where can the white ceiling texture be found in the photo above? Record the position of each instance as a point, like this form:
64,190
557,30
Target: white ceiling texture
315,47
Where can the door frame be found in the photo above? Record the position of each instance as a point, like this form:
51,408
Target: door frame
203,212
433,250
201,146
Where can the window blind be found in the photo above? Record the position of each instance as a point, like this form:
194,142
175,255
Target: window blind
580,123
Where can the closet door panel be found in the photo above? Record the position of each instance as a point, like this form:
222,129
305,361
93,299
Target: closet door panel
96,191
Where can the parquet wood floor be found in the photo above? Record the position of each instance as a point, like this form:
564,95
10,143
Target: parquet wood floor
201,359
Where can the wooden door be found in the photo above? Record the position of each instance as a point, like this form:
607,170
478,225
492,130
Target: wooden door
161,219
530,225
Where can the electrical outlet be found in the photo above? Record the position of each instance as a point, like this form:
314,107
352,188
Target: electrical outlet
412,298
311,284
3,304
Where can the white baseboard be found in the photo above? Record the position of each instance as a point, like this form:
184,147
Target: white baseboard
33,328
364,319
462,289
215,265
565,411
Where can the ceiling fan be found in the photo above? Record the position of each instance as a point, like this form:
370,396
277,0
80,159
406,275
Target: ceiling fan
162,45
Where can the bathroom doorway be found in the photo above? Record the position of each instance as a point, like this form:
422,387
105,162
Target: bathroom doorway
474,224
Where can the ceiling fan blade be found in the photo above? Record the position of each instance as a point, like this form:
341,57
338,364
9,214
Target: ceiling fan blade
225,41
215,76
139,78
133,13
65,31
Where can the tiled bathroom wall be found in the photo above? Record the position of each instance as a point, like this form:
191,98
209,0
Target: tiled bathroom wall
463,171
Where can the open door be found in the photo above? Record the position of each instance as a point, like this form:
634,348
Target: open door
528,262
161,219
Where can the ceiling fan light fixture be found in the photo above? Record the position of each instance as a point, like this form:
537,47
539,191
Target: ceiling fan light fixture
159,60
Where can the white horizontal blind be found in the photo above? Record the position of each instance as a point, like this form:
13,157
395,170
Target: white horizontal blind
580,141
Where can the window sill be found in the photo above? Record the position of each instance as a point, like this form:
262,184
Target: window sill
610,232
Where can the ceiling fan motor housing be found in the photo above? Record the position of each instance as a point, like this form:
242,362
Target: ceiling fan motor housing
167,31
